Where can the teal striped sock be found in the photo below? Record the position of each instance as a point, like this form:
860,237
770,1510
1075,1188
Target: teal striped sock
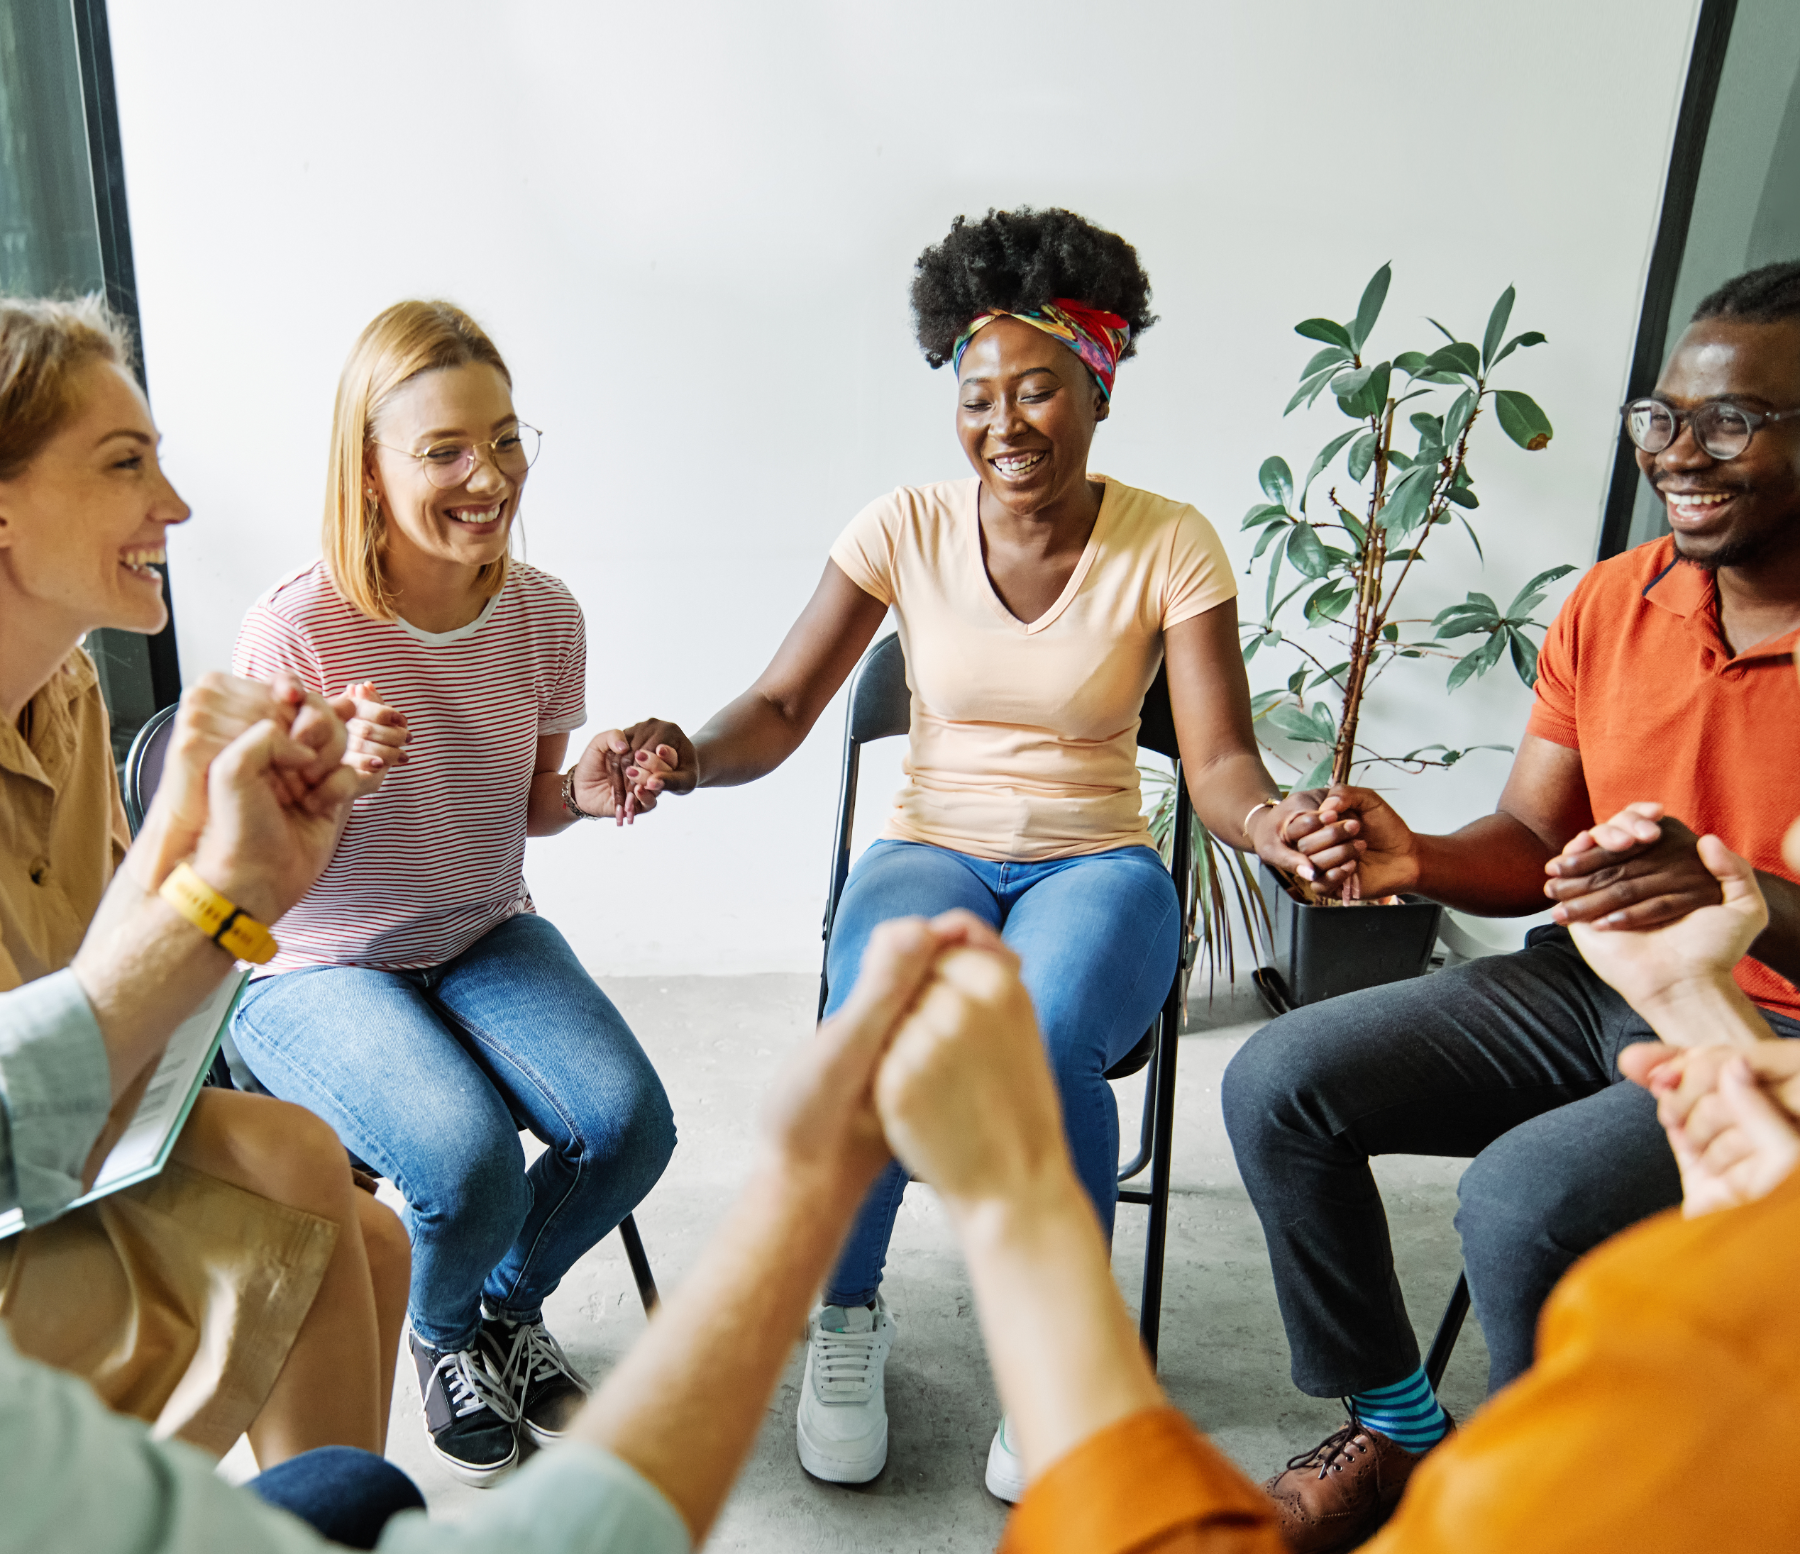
1407,1413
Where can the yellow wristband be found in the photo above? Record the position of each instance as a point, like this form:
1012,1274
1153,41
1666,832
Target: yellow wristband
234,930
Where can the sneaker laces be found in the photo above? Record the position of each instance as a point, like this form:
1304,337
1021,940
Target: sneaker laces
844,1365
471,1387
536,1356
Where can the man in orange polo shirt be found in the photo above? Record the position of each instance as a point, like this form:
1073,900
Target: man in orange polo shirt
1665,678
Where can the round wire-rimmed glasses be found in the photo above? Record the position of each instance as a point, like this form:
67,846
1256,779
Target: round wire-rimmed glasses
1721,428
447,464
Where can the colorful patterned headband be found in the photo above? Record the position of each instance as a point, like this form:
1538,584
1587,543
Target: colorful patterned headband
1096,336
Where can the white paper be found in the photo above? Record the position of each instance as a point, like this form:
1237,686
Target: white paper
143,1148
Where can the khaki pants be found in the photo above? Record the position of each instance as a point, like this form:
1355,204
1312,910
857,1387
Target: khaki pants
177,1300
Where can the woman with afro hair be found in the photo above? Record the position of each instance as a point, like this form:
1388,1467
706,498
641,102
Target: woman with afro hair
1035,602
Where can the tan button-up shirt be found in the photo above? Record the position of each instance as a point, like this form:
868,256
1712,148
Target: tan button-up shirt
62,825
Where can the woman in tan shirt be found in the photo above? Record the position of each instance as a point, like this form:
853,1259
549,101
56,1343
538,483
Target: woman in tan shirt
249,1286
1035,603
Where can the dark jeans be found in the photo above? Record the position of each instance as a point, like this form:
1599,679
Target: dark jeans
1511,1060
343,1494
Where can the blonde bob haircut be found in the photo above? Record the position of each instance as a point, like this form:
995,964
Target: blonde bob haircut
44,349
406,340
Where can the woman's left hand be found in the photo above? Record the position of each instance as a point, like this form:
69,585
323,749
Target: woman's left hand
377,735
1323,850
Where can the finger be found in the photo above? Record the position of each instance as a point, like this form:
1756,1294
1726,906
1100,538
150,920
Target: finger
329,796
1641,1061
1338,834
1633,904
960,926
1654,913
1766,1125
895,965
1737,880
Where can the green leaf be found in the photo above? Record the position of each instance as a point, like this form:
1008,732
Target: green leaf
1477,663
1326,455
1331,356
1390,632
1277,481
1250,647
1399,460
1306,553
1427,425
1410,362
1363,393
1369,309
1330,674
1351,522
1319,775
1456,422
1273,532
1297,681
1439,327
1328,603
1530,338
1473,540
1300,725
1310,388
1275,556
1463,497
1263,512
1457,356
1530,596
1324,329
1522,420
1524,655
1496,327
1262,701
1407,500
1362,456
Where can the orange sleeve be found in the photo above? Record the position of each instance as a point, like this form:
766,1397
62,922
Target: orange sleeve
1553,713
1150,1484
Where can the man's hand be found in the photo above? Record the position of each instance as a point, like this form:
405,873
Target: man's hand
377,735
1659,966
662,759
1638,870
601,785
1729,1113
964,1094
1386,850
820,1119
259,849
1293,836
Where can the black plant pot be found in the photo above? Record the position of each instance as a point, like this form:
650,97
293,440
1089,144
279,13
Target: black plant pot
1322,951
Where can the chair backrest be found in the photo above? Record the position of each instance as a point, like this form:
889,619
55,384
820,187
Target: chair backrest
144,764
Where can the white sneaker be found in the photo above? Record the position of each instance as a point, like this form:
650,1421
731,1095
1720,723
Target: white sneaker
842,1429
1005,1469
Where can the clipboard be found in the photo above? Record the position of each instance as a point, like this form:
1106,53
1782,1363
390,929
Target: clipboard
143,1148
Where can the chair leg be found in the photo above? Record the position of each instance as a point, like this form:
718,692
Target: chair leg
1448,1329
1161,1147
1146,1124
640,1264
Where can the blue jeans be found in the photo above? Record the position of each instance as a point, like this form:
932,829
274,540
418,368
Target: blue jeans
344,1495
1097,938
429,1076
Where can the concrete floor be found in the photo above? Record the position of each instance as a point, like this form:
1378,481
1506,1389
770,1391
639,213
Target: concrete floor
716,1041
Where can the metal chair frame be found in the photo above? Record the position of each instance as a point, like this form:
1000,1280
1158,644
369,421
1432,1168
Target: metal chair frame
143,771
880,707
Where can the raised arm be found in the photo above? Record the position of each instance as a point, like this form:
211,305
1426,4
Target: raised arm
751,736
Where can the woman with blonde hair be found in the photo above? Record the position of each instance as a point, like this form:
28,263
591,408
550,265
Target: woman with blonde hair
249,1286
419,1004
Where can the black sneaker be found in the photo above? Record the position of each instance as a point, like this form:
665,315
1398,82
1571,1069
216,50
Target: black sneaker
546,1390
469,1411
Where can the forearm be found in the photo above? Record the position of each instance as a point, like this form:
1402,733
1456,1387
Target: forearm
1493,867
1227,791
545,813
1778,945
685,1404
748,739
144,969
1064,1352
1706,1012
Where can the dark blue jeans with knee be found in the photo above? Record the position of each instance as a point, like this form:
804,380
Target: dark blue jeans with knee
1511,1060
1097,937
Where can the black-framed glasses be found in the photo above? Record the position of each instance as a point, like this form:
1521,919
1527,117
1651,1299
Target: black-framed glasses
1721,428
448,464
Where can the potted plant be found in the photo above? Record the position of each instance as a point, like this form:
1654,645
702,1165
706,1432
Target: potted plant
1342,564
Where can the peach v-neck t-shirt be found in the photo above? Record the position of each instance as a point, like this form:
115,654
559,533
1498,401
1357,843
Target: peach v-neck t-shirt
1024,734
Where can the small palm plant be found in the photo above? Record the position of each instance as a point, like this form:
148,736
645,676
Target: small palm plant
1351,555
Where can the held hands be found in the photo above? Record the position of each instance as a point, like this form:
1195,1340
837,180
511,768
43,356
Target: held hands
622,771
1729,1113
377,735
1640,869
1658,964
1342,833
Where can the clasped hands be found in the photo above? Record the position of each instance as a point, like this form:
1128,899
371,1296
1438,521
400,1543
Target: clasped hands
621,772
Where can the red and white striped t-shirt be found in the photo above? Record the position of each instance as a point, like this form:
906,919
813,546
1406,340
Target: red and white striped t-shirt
436,858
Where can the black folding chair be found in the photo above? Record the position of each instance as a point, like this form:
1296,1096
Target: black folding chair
143,771
1457,1308
880,708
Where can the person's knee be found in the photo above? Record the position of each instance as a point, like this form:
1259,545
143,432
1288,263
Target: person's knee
389,1251
1507,1205
271,1148
1259,1085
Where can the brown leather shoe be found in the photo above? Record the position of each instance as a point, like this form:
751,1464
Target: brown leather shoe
1338,1494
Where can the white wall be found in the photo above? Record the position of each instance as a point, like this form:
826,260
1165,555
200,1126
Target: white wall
691,227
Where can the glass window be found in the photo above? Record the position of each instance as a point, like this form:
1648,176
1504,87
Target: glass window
1746,203
51,246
